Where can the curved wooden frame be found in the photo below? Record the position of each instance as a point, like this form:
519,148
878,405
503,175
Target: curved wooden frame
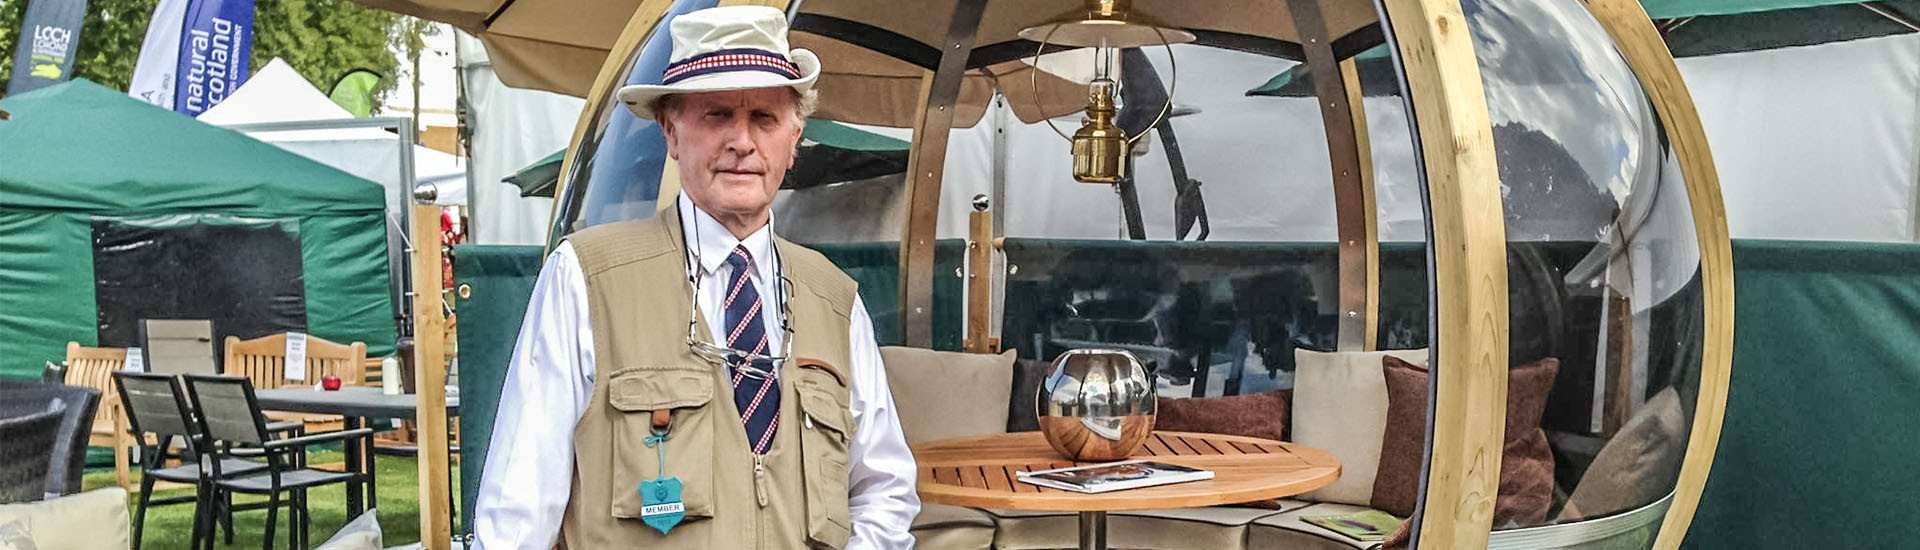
1633,33
1468,254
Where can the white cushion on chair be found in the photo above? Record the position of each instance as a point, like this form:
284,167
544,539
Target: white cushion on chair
1340,404
93,520
363,533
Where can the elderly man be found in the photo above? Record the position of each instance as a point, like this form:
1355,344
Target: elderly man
691,380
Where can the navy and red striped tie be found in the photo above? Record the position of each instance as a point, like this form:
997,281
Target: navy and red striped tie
757,397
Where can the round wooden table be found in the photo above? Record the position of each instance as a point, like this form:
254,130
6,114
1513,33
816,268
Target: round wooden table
980,472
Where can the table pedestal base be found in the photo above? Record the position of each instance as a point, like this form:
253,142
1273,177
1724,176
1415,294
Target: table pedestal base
1093,531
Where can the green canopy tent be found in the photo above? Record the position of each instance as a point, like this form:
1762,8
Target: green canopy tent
830,152
1691,28
113,210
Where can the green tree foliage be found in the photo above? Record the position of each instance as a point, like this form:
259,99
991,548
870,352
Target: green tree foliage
322,39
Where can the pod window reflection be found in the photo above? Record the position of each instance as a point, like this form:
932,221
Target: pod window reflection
1305,223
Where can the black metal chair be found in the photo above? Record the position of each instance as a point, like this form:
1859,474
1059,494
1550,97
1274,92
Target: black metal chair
28,429
229,414
54,373
69,458
156,405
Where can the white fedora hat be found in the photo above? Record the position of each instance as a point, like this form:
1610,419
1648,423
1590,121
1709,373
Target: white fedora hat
723,49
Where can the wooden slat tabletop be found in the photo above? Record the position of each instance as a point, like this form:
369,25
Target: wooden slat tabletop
980,471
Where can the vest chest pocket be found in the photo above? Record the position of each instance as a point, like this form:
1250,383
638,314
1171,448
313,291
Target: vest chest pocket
826,432
686,392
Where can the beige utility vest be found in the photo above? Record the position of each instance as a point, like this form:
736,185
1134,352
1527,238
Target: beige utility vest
639,302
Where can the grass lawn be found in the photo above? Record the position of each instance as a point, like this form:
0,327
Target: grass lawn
170,527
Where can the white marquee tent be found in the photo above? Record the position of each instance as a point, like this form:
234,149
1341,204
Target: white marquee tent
277,93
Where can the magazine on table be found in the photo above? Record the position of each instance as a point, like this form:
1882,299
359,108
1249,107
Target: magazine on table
1114,476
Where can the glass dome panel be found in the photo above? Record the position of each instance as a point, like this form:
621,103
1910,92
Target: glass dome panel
616,171
1604,294
1235,264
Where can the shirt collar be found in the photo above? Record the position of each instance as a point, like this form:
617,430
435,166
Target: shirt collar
712,242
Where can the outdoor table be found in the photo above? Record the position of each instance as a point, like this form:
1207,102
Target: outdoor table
980,472
352,403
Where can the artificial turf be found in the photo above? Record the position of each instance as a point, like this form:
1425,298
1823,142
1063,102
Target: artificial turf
170,527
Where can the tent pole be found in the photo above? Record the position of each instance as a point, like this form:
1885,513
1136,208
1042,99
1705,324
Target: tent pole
1891,15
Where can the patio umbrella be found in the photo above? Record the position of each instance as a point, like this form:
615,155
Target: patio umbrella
1376,77
829,153
537,179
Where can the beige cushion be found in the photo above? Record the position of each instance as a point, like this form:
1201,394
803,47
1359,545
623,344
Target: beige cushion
943,527
944,394
93,520
363,533
1340,404
1638,466
1218,527
1286,531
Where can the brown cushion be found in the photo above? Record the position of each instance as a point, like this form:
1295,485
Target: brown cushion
1638,466
1262,415
1526,462
944,394
1023,414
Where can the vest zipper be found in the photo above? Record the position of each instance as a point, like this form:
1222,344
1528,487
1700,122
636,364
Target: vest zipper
760,478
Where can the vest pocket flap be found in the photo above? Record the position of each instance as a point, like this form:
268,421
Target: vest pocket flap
826,405
657,389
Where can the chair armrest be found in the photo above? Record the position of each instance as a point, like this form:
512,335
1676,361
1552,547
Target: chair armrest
310,439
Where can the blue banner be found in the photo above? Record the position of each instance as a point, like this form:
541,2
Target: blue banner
48,35
215,43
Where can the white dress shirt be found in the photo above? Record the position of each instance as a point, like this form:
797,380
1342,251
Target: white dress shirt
526,485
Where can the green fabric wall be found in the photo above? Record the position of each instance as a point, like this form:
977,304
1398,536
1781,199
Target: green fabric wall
46,278
502,280
1816,442
345,259
1670,9
1818,446
876,267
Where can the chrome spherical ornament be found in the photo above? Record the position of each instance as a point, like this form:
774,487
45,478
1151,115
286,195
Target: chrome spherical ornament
1096,404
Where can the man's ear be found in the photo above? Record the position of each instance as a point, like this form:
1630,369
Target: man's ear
666,127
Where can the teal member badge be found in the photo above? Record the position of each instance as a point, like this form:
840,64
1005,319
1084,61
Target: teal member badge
660,505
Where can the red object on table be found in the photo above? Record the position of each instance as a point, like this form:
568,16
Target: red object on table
330,382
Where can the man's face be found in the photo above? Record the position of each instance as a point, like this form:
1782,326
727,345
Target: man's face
733,148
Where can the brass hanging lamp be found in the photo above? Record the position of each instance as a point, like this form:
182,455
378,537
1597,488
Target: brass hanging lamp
1100,146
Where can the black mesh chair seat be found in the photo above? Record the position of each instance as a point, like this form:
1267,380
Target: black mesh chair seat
295,479
190,472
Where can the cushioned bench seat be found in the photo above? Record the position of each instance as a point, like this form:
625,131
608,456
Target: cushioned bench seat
943,527
1222,527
